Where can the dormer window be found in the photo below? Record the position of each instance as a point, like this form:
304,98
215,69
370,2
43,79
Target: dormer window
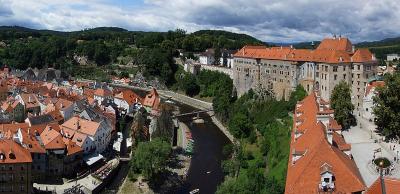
296,155
2,156
327,178
297,134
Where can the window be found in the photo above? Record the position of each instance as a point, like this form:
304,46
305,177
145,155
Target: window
344,76
335,69
267,71
358,83
326,68
334,77
344,68
317,67
358,89
325,76
358,76
317,74
358,67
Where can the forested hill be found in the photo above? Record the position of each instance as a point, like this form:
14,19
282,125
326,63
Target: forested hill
151,52
383,47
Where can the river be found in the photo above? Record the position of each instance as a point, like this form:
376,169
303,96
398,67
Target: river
205,172
209,141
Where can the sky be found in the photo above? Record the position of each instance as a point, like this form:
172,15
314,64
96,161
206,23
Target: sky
268,20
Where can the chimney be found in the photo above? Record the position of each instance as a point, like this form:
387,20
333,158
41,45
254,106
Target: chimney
78,126
373,57
334,36
329,136
291,46
353,49
29,99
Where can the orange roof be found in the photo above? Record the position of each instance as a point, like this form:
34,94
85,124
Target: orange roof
329,51
392,186
362,55
341,44
340,142
81,125
30,100
52,138
129,96
373,85
334,125
63,104
12,152
308,140
72,148
57,116
102,92
152,99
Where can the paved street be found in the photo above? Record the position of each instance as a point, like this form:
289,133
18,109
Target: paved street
363,147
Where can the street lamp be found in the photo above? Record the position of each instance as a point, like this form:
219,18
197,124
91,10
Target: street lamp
381,176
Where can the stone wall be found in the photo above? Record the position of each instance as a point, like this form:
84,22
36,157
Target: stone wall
225,70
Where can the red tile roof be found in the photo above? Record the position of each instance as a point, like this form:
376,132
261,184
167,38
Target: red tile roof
102,92
129,96
81,125
392,186
329,51
152,99
340,142
12,152
373,85
52,139
311,144
342,44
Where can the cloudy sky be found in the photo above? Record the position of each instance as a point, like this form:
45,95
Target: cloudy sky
268,20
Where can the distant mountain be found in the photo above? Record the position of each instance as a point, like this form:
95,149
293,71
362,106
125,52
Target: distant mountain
380,43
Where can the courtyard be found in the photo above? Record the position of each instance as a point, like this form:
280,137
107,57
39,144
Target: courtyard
365,144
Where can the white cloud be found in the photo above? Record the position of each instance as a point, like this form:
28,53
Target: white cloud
268,20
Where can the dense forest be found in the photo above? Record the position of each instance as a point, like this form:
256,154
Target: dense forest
151,52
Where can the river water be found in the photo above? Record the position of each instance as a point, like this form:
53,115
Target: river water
205,172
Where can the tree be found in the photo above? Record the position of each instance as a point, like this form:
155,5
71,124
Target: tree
341,104
299,94
151,158
189,85
139,133
387,106
165,126
217,56
240,125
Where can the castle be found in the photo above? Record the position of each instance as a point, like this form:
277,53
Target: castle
281,69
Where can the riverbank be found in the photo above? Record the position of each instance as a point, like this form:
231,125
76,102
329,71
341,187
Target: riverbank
202,105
